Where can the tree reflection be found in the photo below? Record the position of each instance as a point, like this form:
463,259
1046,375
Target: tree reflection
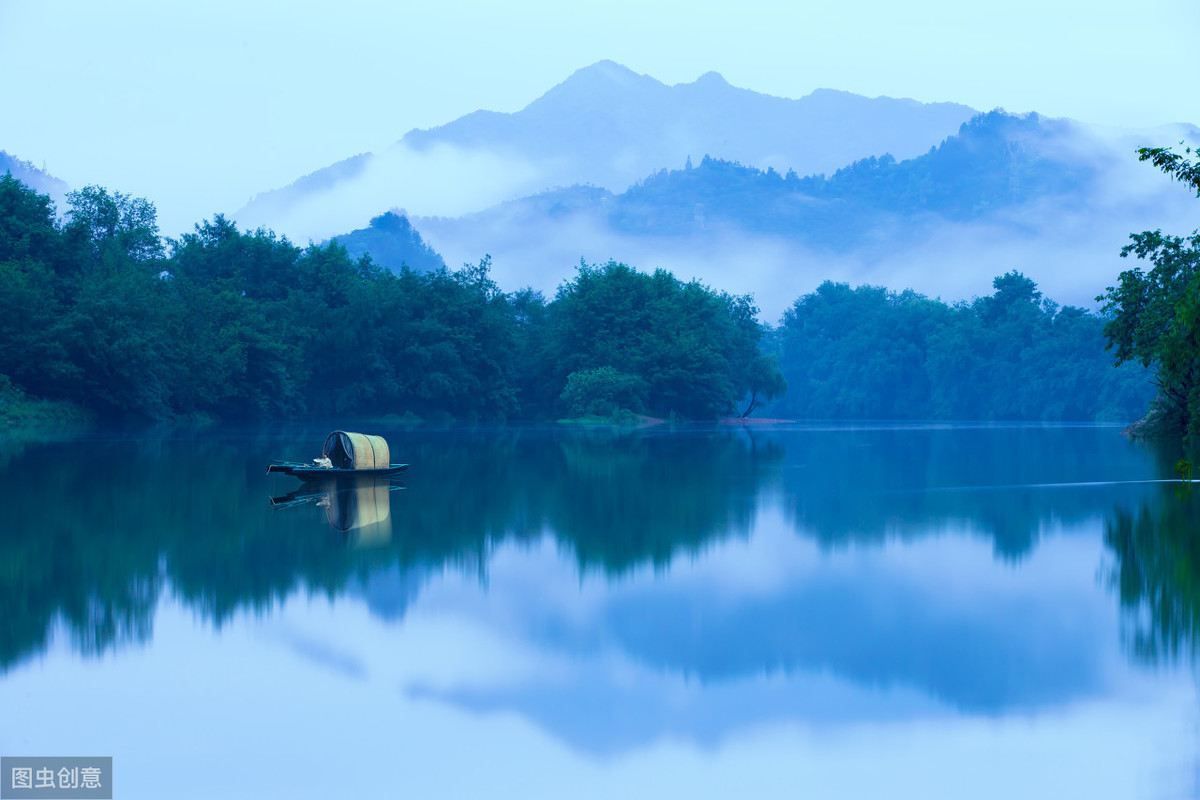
1157,574
100,528
618,500
854,486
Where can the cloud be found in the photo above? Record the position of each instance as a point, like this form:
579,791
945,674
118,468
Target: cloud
1072,262
1070,245
441,180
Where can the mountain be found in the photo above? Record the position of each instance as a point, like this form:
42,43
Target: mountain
392,243
34,178
1052,198
995,161
606,126
610,126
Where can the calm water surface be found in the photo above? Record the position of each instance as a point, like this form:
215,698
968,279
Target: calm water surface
837,611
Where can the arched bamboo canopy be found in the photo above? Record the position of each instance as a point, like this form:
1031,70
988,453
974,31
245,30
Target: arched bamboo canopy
349,450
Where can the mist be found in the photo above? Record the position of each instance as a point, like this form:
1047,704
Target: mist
441,180
1070,245
461,200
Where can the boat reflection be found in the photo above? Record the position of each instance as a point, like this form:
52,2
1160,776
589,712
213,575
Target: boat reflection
359,508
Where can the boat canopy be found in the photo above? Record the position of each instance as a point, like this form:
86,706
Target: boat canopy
356,451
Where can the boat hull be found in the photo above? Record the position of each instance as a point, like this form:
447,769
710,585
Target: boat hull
307,472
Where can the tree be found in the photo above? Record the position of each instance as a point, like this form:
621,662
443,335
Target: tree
112,230
872,353
31,319
602,392
1156,314
766,382
115,306
691,348
1178,166
27,228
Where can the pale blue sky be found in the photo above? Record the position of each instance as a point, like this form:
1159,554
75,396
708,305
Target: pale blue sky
198,106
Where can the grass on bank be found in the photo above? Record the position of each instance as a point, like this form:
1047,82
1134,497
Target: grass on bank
20,412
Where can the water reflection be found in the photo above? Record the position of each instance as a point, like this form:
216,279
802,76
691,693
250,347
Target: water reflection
1005,483
878,578
358,507
99,528
1157,574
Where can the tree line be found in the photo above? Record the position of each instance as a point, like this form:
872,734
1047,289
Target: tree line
99,310
221,323
871,353
995,161
1155,313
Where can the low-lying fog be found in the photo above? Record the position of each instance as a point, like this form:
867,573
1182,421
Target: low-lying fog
1069,245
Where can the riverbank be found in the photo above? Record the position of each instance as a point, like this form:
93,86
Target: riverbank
19,412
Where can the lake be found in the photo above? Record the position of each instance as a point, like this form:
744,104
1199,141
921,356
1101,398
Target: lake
858,611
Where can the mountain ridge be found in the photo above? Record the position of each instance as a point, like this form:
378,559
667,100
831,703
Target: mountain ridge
609,126
629,106
1047,196
996,160
35,178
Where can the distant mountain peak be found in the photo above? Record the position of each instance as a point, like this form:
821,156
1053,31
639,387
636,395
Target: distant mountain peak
711,78
31,176
821,91
392,242
602,77
607,69
610,126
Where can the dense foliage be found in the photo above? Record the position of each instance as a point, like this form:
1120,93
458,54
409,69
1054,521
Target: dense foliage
236,324
392,242
995,161
1156,314
222,323
652,343
875,354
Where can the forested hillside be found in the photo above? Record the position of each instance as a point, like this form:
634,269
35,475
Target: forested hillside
392,242
608,126
97,310
231,324
995,161
33,177
870,353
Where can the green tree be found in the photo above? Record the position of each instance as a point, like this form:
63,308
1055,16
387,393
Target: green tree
602,392
32,295
765,382
115,303
871,353
1156,313
694,349
858,352
112,230
235,339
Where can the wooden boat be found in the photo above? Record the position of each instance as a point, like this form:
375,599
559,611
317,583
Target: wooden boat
308,472
349,454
